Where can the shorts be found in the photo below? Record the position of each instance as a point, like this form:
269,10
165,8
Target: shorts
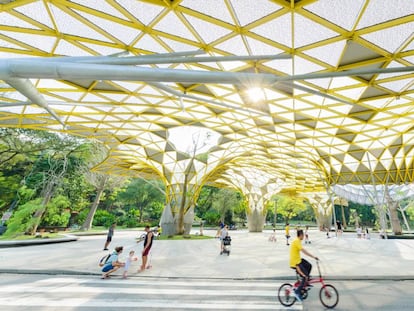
107,268
146,251
109,239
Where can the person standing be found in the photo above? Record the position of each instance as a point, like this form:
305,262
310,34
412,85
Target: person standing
109,236
201,227
302,266
147,247
339,227
287,233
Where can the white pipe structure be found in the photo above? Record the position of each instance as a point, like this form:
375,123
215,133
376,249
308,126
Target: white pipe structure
158,59
346,73
71,71
113,56
10,68
180,60
25,87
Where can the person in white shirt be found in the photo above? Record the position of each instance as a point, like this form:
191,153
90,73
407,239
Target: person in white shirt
128,262
223,233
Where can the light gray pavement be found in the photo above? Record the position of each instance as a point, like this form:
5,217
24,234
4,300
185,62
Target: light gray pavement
252,257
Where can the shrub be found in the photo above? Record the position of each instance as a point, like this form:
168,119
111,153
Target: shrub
22,219
103,218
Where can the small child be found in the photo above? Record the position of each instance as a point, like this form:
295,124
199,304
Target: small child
272,237
128,261
307,241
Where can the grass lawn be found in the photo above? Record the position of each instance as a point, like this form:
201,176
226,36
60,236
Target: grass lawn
32,237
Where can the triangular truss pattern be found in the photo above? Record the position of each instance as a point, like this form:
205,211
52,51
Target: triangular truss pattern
336,90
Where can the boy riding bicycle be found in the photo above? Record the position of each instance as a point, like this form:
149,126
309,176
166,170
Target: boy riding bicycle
302,266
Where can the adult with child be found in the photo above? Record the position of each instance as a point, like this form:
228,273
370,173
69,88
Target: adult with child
113,263
149,237
302,266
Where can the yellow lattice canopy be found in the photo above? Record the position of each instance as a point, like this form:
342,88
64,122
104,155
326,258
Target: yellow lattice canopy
332,100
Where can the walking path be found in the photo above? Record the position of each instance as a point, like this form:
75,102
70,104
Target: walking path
85,293
252,257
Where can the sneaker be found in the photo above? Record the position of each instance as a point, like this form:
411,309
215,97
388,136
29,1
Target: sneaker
105,249
297,296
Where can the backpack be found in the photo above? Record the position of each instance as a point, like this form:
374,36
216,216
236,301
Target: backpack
103,260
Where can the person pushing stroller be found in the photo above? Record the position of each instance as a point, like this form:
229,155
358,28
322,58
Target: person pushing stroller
225,240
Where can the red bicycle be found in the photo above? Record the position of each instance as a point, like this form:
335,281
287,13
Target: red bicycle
328,295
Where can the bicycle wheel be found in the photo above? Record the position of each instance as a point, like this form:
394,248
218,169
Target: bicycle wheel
285,295
329,296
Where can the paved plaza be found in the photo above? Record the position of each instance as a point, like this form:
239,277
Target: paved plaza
192,275
252,257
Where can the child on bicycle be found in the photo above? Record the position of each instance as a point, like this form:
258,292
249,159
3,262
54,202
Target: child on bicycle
302,266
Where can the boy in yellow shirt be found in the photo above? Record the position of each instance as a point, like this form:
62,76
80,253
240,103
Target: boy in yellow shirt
287,234
302,266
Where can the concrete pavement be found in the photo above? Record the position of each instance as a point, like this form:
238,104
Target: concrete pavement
252,257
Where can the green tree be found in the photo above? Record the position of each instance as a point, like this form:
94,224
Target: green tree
141,194
20,151
224,202
205,201
22,219
57,212
44,162
410,210
290,207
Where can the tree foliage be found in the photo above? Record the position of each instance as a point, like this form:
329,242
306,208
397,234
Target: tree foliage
220,204
289,206
146,196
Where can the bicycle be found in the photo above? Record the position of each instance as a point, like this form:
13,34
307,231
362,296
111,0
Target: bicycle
328,295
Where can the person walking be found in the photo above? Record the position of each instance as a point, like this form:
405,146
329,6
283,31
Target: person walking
307,240
272,237
287,233
128,261
302,266
339,227
109,236
149,237
223,234
113,263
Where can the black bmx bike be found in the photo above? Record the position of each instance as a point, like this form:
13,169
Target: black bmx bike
328,295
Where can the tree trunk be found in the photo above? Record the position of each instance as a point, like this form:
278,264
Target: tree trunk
405,218
48,192
141,212
180,223
87,225
343,217
381,210
393,210
395,221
